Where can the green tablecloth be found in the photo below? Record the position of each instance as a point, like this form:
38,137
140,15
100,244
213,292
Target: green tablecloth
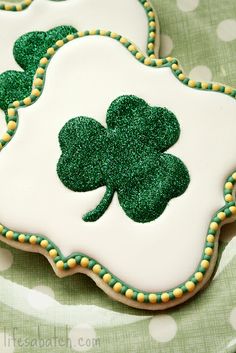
73,314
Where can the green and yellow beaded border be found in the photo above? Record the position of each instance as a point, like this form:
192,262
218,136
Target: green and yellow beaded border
153,26
16,7
226,213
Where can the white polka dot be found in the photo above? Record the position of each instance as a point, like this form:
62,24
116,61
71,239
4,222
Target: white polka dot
201,73
162,328
6,343
166,45
41,297
187,5
226,30
232,318
6,259
83,338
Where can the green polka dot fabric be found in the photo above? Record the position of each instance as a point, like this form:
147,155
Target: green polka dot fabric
42,313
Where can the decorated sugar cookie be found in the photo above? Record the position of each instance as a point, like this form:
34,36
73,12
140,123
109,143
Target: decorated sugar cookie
43,15
54,21
119,167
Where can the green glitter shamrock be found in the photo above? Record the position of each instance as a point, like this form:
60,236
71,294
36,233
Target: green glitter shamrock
28,50
127,157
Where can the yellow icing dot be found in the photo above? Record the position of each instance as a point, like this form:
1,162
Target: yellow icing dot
198,276
44,243
152,298
152,34
175,67
9,234
139,55
210,238
28,2
71,263
123,40
11,125
92,31
181,77
70,37
190,286
140,297
178,293
106,278
38,82
165,297
229,185
159,62
234,176
11,112
209,251
147,61
33,239
21,238
84,262
152,56
129,293
131,47
80,34
8,7
228,90
205,264
204,85
215,87
60,265
147,4
18,7
221,215
60,43
27,101
117,287
43,61
51,51
6,137
1,147
96,268
102,32
114,35
150,46
152,24
53,253
1,228
228,198
191,83
151,14
169,58
36,92
214,226
40,71
16,104
233,209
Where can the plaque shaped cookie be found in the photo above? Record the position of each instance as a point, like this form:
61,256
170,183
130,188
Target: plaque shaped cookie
121,168
53,21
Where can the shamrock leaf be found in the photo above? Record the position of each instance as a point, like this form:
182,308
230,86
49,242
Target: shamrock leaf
28,50
127,157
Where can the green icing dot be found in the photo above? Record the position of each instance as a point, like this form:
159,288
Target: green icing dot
91,264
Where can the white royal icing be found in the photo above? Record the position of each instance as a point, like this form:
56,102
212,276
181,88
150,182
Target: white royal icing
43,15
154,256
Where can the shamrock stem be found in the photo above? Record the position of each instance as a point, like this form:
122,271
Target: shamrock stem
101,208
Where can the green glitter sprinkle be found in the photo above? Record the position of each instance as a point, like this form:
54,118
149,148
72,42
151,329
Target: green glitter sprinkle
127,158
28,50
